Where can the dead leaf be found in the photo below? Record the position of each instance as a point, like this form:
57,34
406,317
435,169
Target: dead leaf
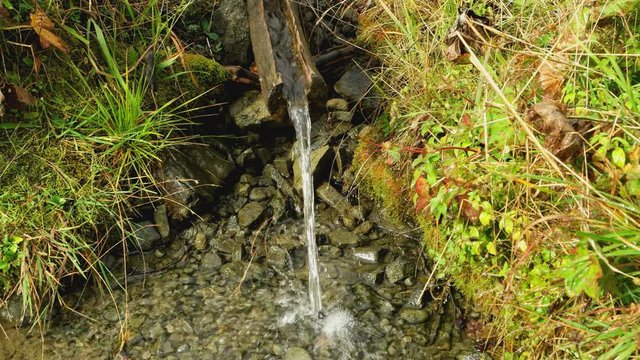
424,198
562,138
551,79
23,95
17,97
468,211
43,26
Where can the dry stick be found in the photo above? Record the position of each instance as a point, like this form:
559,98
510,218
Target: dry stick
253,255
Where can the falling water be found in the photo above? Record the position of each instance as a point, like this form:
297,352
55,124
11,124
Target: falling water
300,116
294,92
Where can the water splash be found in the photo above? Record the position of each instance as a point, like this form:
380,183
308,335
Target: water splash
302,121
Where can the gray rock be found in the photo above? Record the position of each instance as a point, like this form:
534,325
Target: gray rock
333,198
277,257
230,21
297,353
11,312
226,245
278,207
320,159
261,193
414,316
337,104
369,254
161,220
146,236
250,110
343,238
371,275
249,214
398,270
356,86
211,260
190,173
284,186
235,271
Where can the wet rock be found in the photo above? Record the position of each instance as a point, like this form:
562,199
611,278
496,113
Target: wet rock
282,164
226,245
371,275
241,189
161,219
332,252
146,236
414,316
363,228
369,254
277,257
249,214
211,260
11,312
297,353
284,186
355,86
398,270
230,21
343,238
333,198
200,242
235,271
261,193
278,207
191,173
320,159
368,298
250,110
337,104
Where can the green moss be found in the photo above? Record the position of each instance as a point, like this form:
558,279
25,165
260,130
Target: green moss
198,76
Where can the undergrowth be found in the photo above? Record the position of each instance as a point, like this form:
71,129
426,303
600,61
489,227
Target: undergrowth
518,123
81,134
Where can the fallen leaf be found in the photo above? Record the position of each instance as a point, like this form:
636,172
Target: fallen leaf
468,211
465,26
551,79
43,26
23,96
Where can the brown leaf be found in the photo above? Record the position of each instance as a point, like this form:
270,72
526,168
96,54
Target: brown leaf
48,38
43,26
562,139
468,211
17,97
23,95
422,187
551,79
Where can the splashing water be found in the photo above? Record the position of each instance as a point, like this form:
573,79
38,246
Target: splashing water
299,114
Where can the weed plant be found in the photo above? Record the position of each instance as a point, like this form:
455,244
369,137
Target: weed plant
546,247
74,165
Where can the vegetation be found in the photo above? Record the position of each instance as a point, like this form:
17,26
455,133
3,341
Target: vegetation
83,125
518,125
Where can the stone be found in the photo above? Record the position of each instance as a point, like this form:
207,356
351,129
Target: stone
146,236
249,214
337,104
261,193
371,275
296,353
161,219
211,260
250,110
333,198
277,257
190,174
284,186
320,159
398,270
356,86
246,158
235,271
368,254
226,245
343,238
230,20
363,228
200,242
414,316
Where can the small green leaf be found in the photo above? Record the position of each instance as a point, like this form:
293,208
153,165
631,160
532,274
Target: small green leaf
618,157
491,248
485,218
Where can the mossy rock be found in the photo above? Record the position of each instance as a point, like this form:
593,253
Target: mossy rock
199,75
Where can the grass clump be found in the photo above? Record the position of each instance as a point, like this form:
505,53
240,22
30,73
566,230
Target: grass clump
518,123
76,153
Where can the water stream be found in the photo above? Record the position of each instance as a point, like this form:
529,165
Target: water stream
302,122
294,92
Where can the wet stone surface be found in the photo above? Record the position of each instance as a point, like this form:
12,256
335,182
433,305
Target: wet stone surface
232,284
